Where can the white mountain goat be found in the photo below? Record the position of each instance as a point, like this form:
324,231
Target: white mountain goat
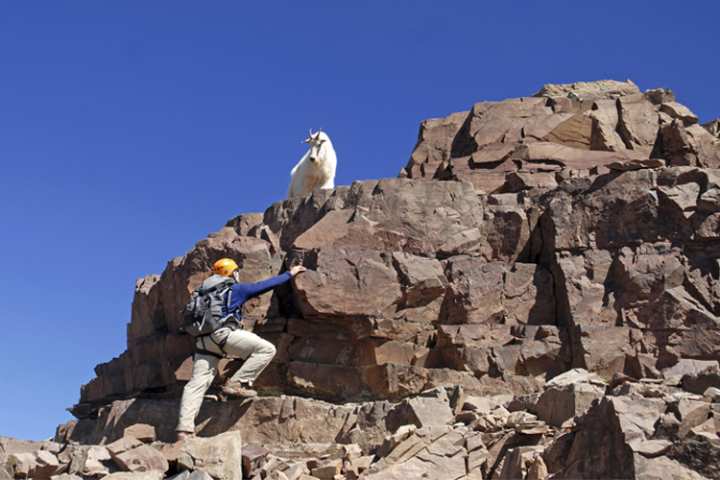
316,169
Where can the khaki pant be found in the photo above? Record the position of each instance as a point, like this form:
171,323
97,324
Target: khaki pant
256,351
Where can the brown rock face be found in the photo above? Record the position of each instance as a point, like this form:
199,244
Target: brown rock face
578,228
581,126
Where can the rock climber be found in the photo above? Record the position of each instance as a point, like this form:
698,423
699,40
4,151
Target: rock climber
230,340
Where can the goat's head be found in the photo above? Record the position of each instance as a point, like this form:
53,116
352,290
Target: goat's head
316,141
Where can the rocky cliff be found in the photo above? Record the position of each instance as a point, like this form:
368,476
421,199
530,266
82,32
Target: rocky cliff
537,294
574,228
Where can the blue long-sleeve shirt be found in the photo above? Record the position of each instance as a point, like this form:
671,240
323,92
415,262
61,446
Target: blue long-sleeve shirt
242,292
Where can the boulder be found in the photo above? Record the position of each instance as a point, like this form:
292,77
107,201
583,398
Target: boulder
9,445
220,456
692,145
606,431
356,283
96,461
141,459
699,451
21,465
650,448
123,444
419,461
574,377
253,458
519,460
680,112
560,403
142,431
39,464
485,404
692,413
704,375
357,466
712,394
662,468
537,470
638,122
430,409
327,470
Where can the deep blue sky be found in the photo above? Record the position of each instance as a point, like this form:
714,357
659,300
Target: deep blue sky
130,130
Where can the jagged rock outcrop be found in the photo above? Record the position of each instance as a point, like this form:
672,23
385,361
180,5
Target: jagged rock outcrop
577,230
580,126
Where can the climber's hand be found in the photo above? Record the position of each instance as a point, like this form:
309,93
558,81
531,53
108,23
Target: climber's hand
297,269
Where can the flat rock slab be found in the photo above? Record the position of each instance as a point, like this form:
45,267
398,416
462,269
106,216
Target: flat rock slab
141,459
123,445
220,456
431,410
142,431
650,448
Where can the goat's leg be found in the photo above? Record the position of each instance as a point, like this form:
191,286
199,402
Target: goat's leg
329,184
292,189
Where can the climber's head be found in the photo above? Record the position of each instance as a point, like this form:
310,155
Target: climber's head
225,267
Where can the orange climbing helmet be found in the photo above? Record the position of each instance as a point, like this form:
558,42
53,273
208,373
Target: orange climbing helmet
225,267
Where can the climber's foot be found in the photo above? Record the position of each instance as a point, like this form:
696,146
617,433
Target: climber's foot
182,436
238,390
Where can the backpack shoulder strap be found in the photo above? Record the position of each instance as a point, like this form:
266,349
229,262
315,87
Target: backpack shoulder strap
212,285
228,296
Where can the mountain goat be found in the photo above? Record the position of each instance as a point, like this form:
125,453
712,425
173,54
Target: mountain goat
316,169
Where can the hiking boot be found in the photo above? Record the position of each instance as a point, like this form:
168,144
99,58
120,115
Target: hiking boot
238,390
182,436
